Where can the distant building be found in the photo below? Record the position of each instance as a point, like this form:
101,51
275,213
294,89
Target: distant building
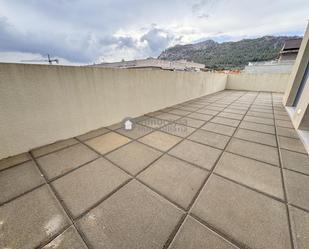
182,65
283,64
290,49
275,66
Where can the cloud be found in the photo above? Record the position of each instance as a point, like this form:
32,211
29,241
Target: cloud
158,39
32,58
109,30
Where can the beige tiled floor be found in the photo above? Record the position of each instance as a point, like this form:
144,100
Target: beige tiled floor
222,171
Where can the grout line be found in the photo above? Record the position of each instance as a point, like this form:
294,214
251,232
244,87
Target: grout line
23,193
14,165
103,198
71,170
284,186
243,139
61,203
250,129
218,232
260,161
172,236
295,171
301,208
47,241
251,188
175,231
193,164
135,176
56,150
145,168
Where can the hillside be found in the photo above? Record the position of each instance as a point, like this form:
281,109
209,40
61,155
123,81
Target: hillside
228,55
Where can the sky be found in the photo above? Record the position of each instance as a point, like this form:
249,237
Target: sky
93,31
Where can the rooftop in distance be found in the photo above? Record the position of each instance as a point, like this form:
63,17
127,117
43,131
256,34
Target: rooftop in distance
155,63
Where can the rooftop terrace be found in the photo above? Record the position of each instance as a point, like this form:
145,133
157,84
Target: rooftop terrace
226,170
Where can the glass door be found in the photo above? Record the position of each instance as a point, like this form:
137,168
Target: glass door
302,86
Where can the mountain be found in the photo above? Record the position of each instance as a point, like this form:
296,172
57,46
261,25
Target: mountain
228,55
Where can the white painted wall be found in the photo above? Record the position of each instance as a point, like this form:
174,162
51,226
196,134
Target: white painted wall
258,82
40,104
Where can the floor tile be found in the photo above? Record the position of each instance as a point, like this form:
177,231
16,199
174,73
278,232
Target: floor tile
282,117
287,132
284,123
53,147
22,220
291,144
219,128
193,235
87,185
179,112
92,134
154,114
215,108
260,114
297,186
262,107
295,161
300,227
259,120
220,104
18,180
167,109
201,155
253,150
282,113
160,140
115,126
62,161
168,116
140,118
210,138
134,217
175,179
13,160
69,239
178,130
189,108
137,131
254,109
154,123
230,115
190,122
257,175
107,142
257,137
133,157
257,127
200,116
225,121
207,111
240,106
241,210
233,110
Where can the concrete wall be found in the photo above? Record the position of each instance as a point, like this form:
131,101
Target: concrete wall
271,68
41,104
258,82
298,71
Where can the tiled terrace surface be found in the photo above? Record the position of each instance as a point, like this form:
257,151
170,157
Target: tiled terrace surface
223,171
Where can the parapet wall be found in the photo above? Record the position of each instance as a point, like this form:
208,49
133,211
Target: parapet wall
41,104
258,82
